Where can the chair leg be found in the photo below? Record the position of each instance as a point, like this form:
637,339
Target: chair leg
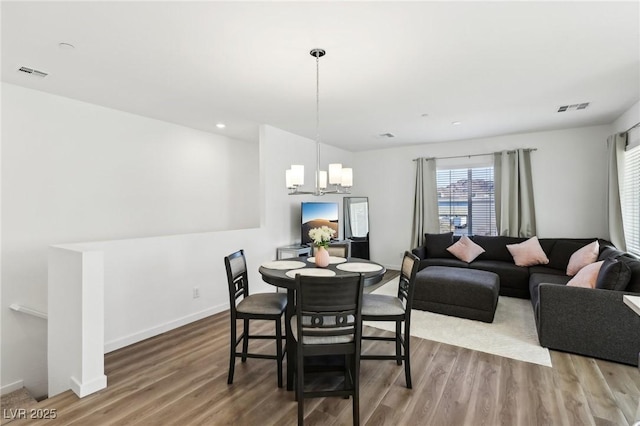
232,355
407,354
300,387
245,341
279,349
348,373
356,392
398,342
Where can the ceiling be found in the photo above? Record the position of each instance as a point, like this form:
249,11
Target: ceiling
406,68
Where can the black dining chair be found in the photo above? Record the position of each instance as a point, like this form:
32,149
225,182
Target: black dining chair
336,249
329,311
379,307
246,307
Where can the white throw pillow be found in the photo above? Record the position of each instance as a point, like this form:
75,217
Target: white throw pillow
465,249
583,257
528,253
587,276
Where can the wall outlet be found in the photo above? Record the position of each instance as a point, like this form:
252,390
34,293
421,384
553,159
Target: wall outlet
196,292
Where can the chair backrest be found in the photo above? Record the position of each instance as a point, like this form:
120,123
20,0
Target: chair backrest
406,287
237,278
329,309
337,249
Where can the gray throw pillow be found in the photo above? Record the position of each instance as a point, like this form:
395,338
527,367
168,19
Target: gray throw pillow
613,275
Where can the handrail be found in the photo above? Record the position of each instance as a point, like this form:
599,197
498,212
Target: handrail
28,311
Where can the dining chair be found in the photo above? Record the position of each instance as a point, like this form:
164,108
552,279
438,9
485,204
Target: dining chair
336,249
246,307
329,312
379,307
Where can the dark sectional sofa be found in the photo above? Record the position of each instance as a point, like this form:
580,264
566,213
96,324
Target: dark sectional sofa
592,322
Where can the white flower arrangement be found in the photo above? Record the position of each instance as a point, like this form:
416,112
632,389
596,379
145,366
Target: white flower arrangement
321,236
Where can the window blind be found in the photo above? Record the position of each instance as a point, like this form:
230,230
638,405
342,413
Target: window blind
466,202
631,200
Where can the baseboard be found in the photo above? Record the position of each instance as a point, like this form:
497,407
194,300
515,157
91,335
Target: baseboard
11,387
84,389
162,328
393,267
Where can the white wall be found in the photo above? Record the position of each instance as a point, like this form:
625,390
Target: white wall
73,171
629,118
569,175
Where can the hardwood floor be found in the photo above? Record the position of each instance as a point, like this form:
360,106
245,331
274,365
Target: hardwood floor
180,378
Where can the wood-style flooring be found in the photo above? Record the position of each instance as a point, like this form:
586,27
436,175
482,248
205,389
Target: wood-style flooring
180,378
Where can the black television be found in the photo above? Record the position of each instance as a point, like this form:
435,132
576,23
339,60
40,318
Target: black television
316,214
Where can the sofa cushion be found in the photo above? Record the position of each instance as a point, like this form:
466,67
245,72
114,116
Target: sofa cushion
587,276
614,275
583,257
514,280
496,247
528,253
547,244
538,278
544,269
437,244
607,251
457,263
634,264
465,249
562,251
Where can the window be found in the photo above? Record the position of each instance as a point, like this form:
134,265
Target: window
631,200
466,202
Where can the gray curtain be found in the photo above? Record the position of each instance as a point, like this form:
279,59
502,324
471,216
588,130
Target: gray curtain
515,209
348,232
615,146
425,206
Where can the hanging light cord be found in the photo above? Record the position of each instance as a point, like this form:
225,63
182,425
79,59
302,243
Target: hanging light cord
317,55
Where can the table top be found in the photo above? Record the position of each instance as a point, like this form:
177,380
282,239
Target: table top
279,277
633,302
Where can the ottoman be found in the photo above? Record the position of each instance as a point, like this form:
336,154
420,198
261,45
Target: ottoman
461,292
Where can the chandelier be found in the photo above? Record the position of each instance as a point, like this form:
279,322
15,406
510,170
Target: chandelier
340,178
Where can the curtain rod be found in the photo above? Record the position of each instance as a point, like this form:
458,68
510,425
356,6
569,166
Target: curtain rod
633,127
474,155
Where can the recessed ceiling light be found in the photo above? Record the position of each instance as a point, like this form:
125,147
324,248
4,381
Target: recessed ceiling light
456,123
66,46
221,125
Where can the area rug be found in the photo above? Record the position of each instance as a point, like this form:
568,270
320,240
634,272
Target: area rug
512,333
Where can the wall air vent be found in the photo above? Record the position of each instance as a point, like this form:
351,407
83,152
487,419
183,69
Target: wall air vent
33,72
387,135
573,107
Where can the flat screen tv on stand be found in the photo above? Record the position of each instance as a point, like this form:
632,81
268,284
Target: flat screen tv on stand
316,214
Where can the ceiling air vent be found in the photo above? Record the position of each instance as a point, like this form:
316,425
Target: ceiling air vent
387,135
574,107
33,72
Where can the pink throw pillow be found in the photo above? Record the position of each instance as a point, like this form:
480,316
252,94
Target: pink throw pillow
465,249
583,257
528,253
587,276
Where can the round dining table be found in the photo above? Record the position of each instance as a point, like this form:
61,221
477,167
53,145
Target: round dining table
281,273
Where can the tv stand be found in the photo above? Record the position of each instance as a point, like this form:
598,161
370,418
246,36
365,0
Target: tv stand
295,250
